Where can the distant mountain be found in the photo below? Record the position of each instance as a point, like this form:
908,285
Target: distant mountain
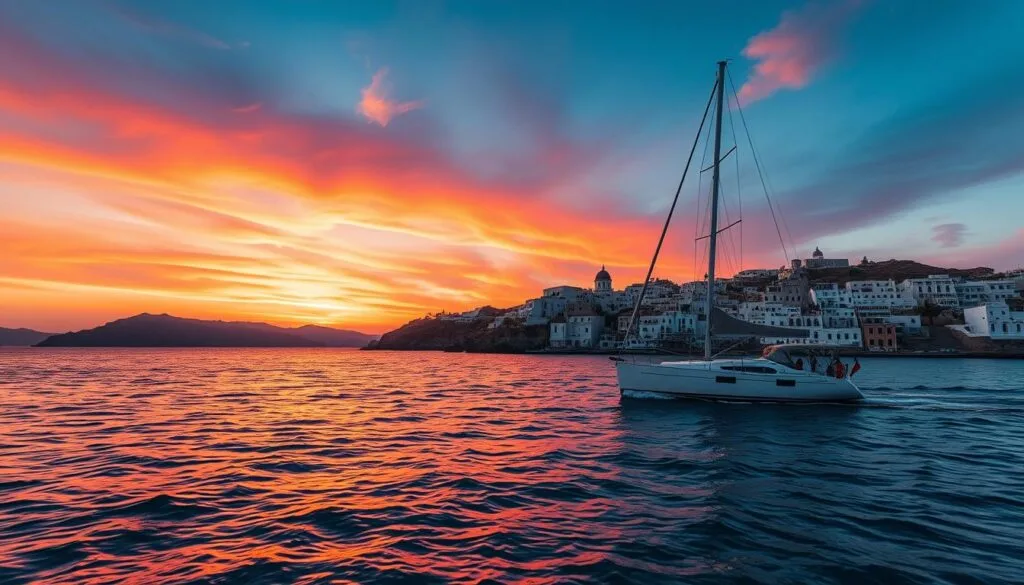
148,330
21,336
332,337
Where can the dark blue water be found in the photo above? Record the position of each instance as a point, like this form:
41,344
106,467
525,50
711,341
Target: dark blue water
322,466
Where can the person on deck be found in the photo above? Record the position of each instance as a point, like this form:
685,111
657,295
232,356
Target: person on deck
840,369
830,370
799,363
814,364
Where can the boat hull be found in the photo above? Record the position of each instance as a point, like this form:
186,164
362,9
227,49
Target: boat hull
710,381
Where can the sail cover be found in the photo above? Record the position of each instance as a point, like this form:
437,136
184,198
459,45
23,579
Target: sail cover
724,325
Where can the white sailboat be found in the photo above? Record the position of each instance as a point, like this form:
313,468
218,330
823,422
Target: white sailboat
777,376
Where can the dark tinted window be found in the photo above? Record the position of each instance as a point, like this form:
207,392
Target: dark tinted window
751,369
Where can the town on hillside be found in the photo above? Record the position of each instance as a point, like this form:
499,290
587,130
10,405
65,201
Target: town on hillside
820,295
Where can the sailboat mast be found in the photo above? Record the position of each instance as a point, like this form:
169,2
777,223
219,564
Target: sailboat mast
713,234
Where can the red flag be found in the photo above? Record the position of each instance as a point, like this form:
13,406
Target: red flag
856,366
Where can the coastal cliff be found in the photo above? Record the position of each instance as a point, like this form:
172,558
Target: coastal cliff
472,336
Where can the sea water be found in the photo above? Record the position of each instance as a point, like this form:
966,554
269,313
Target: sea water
337,466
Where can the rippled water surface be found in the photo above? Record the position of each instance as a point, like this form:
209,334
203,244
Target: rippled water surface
318,466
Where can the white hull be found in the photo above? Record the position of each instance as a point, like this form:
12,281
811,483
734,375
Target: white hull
742,380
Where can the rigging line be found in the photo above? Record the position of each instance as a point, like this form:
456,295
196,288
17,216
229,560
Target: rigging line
739,193
700,220
668,219
757,165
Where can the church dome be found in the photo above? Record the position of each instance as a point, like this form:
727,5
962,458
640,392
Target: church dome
603,275
817,253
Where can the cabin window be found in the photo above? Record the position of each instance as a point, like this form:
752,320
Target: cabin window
785,382
751,369
725,379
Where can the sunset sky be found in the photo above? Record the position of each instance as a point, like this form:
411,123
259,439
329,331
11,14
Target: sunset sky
363,163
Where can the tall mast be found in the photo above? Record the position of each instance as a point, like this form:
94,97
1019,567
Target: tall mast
713,235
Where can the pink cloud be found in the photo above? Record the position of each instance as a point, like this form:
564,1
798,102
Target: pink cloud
795,50
376,104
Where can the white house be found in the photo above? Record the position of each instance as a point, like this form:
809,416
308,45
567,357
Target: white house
973,293
584,330
839,317
558,334
849,336
995,320
540,310
828,294
878,294
937,288
905,324
664,324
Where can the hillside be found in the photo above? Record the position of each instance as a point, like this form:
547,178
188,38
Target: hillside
23,337
897,270
148,330
473,336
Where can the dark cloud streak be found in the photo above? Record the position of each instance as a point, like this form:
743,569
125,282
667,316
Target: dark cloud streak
960,140
949,235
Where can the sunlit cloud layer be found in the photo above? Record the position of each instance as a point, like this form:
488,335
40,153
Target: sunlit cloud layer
149,164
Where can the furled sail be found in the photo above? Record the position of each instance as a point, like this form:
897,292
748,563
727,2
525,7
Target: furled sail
724,325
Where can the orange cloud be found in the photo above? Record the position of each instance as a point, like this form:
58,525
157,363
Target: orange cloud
791,53
116,206
377,106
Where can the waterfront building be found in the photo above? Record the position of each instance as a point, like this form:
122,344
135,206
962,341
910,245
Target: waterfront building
937,288
879,336
847,336
839,317
973,293
878,293
539,311
671,323
995,320
578,331
794,292
829,294
905,324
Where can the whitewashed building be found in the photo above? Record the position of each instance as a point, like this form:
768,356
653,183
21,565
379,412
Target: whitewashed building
829,294
841,317
905,324
971,293
584,330
666,324
850,336
580,331
994,320
878,294
539,311
937,288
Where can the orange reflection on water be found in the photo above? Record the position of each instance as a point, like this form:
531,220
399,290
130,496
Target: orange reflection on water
152,466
